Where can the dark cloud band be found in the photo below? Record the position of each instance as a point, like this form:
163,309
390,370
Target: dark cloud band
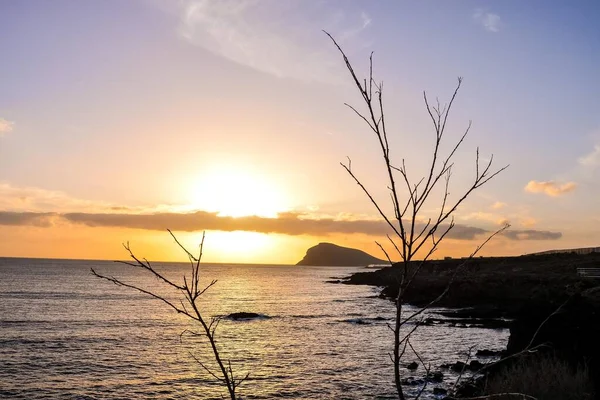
285,223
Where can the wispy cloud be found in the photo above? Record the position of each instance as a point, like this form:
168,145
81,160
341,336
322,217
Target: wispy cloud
528,222
15,198
34,199
282,38
498,205
591,159
531,234
487,217
5,126
490,21
550,188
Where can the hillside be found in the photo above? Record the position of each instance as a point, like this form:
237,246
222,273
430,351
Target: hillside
329,254
499,284
583,250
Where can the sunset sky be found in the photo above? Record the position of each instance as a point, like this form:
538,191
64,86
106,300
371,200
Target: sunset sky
120,119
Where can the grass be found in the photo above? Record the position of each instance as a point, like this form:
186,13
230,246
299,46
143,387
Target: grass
543,377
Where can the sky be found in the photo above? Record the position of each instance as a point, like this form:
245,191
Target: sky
121,119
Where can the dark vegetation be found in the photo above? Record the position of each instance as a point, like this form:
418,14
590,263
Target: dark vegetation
490,286
542,377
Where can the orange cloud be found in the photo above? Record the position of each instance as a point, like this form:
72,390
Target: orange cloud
550,188
498,205
528,222
531,234
5,126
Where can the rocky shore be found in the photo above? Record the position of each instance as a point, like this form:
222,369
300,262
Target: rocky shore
526,291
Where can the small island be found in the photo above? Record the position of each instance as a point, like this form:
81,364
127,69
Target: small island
332,255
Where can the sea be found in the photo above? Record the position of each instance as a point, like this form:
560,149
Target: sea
66,334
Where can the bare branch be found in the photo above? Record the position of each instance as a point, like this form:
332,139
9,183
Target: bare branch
413,237
148,267
190,292
120,283
462,371
427,369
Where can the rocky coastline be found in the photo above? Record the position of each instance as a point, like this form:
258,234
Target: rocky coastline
536,296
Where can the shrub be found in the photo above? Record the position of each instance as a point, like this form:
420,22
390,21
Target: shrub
543,377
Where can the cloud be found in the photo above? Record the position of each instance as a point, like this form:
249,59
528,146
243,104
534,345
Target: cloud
33,199
26,218
491,22
503,221
550,188
286,223
528,222
282,38
5,126
592,159
14,198
487,217
531,234
498,205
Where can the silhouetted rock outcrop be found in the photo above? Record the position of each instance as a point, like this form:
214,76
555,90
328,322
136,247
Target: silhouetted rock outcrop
525,289
245,315
329,254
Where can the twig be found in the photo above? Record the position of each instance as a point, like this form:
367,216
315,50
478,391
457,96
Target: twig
190,291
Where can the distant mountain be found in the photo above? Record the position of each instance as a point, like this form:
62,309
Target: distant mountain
329,254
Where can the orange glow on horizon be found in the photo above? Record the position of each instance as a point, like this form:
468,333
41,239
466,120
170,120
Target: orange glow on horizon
72,241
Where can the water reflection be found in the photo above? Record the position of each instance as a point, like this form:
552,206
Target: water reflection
70,335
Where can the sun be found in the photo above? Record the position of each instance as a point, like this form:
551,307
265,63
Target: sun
237,192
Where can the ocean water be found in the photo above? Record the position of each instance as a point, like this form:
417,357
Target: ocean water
65,334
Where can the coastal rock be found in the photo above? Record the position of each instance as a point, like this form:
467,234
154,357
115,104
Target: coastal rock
357,321
458,366
489,353
490,287
237,316
488,323
410,381
412,365
435,377
329,254
475,365
467,390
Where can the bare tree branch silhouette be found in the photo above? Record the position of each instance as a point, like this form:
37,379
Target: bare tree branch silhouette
190,290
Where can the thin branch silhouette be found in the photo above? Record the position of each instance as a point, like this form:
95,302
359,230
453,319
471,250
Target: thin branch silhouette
190,291
410,239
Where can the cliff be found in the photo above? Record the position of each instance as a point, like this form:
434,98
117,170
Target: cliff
329,254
